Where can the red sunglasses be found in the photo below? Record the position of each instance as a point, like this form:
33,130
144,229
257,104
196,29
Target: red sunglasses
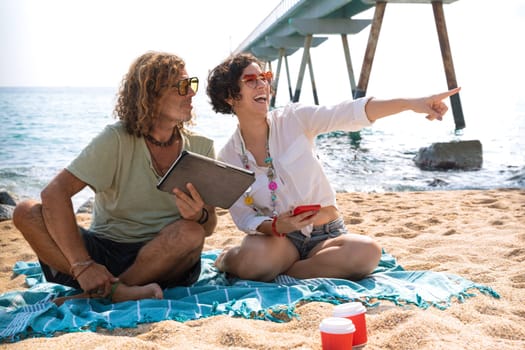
251,80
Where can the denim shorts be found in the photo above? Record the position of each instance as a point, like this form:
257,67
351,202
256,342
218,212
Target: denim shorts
305,244
116,257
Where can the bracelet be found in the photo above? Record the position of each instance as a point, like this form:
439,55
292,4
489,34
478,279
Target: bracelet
204,217
80,263
274,228
85,264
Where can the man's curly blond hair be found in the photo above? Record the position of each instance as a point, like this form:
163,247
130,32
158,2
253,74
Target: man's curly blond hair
142,88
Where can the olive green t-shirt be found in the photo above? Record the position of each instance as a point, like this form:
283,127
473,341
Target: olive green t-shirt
128,207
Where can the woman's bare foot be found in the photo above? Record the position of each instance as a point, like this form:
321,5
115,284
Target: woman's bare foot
219,262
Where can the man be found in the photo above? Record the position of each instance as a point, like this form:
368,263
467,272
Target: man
141,240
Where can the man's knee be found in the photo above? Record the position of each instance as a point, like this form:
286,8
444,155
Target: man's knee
25,213
184,232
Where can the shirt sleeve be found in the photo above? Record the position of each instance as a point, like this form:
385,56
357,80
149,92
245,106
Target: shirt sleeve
100,153
349,115
200,144
245,217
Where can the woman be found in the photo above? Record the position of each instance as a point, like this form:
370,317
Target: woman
279,147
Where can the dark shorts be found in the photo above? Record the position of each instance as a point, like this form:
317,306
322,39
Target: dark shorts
116,257
305,244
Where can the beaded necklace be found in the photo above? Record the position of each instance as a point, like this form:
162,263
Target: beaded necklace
159,143
272,185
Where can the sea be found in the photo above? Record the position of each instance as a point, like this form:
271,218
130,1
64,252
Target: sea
43,129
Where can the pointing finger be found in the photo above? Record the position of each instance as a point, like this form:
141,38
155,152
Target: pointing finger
449,93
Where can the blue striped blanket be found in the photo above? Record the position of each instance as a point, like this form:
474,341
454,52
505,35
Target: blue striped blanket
31,313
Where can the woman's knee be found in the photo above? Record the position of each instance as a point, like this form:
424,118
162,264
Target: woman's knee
374,254
362,255
252,265
255,272
369,256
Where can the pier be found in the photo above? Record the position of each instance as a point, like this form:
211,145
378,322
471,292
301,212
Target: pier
296,25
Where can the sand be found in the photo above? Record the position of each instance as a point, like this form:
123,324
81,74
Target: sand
479,235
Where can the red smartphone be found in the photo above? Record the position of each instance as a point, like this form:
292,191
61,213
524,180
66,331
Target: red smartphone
303,208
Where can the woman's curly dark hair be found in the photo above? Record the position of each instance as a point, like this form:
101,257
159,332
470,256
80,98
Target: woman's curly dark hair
223,81
142,89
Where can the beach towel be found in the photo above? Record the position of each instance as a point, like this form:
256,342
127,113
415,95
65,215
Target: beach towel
31,313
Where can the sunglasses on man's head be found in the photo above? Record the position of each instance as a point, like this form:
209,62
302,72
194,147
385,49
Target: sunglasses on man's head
183,85
251,80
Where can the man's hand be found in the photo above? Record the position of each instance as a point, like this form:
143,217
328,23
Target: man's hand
96,280
190,207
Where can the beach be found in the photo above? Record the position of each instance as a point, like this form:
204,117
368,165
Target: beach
476,234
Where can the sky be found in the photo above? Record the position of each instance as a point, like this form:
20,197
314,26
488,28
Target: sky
92,43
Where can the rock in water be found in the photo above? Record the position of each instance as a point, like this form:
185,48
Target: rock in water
459,155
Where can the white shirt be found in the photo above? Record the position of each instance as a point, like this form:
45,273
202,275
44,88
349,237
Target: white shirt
298,172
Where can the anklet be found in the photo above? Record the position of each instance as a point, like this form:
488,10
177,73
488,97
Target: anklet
114,287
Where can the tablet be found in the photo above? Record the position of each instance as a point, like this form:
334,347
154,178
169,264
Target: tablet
219,184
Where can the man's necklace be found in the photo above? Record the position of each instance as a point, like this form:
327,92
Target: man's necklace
161,144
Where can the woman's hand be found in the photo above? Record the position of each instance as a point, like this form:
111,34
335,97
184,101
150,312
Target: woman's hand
287,222
433,105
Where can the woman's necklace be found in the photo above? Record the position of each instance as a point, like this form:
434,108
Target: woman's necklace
272,185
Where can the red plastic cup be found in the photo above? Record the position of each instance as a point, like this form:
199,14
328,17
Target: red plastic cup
337,333
355,312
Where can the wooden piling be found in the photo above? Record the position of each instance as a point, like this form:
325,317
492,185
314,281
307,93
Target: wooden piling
439,18
370,52
304,62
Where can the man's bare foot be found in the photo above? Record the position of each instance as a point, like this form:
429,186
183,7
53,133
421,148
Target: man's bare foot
121,292
148,291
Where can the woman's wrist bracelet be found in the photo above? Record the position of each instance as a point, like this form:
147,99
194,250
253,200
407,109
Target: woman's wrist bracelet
274,228
204,217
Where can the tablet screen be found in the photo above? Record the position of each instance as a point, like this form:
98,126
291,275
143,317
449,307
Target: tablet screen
219,184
